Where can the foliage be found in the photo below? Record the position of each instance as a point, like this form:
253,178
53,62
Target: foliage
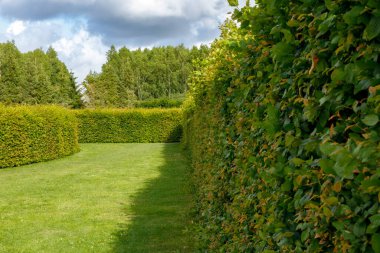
284,129
159,103
31,134
35,78
128,76
129,125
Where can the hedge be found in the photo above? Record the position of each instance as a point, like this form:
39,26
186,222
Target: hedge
31,134
284,129
159,103
129,125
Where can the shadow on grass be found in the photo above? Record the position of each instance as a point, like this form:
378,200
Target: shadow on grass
160,213
175,134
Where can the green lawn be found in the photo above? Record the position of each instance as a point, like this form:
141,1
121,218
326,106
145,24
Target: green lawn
107,198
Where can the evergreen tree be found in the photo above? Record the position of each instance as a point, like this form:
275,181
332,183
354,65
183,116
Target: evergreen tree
35,78
12,76
141,74
75,93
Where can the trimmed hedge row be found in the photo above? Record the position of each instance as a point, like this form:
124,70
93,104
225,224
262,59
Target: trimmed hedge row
31,134
129,125
159,103
284,130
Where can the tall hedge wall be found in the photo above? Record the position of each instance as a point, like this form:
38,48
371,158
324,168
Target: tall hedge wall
283,128
31,134
129,125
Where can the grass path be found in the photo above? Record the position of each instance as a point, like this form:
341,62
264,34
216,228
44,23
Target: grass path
107,198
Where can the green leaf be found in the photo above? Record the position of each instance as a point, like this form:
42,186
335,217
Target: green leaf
375,242
331,5
359,229
289,139
373,29
351,16
327,166
375,220
345,164
339,225
331,201
349,72
362,85
325,25
371,183
282,52
327,212
233,3
287,186
371,120
324,100
338,75
373,3
371,229
373,210
288,35
269,251
293,23
305,235
328,148
297,161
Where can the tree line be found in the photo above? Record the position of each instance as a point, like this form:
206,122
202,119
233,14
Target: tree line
126,79
135,75
36,77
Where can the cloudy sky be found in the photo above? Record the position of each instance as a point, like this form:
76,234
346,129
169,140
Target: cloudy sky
81,31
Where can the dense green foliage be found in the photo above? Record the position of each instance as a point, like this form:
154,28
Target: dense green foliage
35,78
283,127
36,133
159,103
129,125
128,75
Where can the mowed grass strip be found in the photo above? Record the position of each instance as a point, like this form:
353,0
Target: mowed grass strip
107,198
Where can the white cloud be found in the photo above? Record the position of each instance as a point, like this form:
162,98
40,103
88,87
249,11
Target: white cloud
207,23
16,28
40,34
81,52
189,9
150,8
76,47
82,31
128,22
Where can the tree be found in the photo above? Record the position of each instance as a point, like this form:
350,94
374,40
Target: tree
12,76
35,78
141,74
